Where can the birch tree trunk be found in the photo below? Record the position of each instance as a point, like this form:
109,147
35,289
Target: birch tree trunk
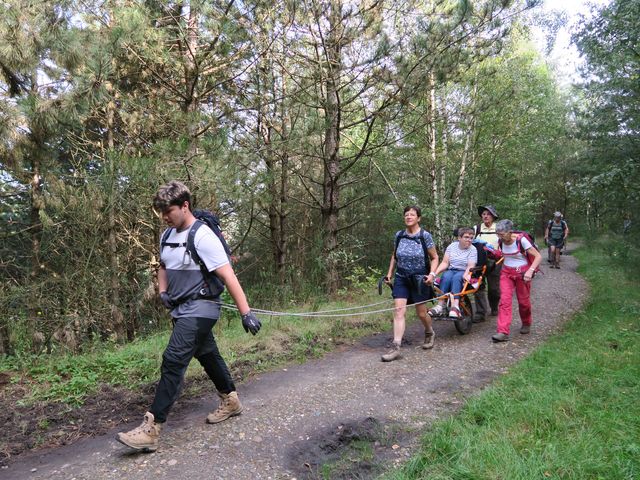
467,155
433,159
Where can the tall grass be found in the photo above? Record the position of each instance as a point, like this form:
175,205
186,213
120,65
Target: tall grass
570,410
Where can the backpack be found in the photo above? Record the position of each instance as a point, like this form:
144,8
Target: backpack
403,234
481,247
211,280
520,234
562,223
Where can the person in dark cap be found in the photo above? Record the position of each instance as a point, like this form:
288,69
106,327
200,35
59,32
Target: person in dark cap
488,297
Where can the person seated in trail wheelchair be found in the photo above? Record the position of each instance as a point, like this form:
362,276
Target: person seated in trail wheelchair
456,267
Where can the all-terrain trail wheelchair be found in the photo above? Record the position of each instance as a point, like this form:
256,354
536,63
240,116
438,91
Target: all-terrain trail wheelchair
466,304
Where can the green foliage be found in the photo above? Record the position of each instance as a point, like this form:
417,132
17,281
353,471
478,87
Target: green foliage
71,378
607,173
547,417
233,99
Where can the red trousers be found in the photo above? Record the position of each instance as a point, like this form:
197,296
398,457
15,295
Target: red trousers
510,280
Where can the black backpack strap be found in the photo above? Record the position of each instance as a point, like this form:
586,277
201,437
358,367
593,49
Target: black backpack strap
164,243
212,281
399,236
477,229
191,244
427,258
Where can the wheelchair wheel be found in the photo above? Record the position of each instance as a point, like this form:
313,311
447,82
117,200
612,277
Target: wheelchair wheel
466,311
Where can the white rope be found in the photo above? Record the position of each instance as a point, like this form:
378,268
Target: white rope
321,314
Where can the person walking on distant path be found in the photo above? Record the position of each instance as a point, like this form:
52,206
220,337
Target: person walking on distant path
488,296
521,260
415,260
555,235
194,305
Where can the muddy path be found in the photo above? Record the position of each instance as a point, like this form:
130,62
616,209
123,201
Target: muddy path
346,415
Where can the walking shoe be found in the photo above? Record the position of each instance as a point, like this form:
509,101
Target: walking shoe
524,329
435,311
429,338
500,337
229,406
145,437
392,354
454,312
494,313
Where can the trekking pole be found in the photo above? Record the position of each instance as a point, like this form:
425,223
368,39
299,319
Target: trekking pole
381,282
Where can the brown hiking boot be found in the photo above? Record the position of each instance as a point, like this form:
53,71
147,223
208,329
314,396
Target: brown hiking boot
145,437
230,406
392,354
429,338
525,329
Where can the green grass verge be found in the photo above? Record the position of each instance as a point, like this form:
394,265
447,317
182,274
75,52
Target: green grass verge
570,410
70,378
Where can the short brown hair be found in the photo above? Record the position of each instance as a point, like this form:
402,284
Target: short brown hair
414,208
173,193
462,230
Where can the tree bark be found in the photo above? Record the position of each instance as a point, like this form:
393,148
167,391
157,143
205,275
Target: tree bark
190,106
331,147
117,317
37,136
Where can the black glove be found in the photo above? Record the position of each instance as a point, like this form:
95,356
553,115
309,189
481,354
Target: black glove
166,300
251,323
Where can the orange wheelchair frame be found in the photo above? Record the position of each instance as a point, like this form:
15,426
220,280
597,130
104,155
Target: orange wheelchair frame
464,322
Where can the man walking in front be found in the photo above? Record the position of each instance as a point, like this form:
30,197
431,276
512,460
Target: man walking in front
195,308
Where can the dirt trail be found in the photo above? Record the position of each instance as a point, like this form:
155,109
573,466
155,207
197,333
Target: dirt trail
298,418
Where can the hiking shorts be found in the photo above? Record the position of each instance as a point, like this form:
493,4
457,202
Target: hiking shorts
411,287
556,242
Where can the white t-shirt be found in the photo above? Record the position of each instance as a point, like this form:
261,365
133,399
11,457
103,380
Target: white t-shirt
184,278
512,256
460,258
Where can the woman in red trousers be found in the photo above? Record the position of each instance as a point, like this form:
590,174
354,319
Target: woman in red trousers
521,259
